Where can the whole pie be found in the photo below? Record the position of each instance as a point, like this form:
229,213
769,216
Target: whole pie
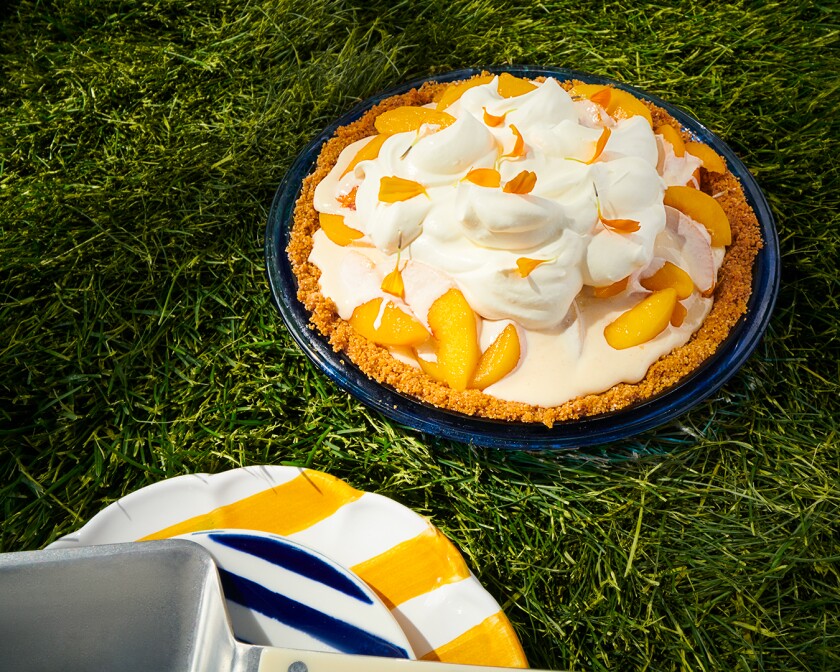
523,250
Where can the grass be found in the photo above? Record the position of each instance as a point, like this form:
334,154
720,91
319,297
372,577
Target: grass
140,146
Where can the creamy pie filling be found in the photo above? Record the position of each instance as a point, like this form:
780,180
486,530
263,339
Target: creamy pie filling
527,243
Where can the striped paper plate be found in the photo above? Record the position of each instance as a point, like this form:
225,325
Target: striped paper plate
441,607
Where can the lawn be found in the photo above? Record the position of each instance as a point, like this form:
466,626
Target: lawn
141,143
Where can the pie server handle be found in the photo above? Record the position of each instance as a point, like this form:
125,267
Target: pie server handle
272,659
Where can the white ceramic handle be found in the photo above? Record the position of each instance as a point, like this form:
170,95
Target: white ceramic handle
289,660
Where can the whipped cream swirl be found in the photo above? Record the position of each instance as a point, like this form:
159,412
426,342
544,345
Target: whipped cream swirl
475,234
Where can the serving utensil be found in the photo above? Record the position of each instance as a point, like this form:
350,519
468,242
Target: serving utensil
155,605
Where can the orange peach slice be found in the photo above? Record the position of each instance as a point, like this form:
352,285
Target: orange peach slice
670,275
617,103
611,290
430,368
672,136
694,180
601,97
701,208
511,86
453,325
678,316
395,327
712,161
643,322
624,105
457,89
336,230
498,360
589,91
410,118
368,152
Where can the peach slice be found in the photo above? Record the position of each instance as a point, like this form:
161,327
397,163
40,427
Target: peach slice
602,97
672,136
393,189
678,316
453,324
611,290
701,208
484,177
336,230
644,322
624,105
410,118
694,180
597,93
457,89
511,86
395,327
670,275
712,161
368,152
430,368
498,360
619,104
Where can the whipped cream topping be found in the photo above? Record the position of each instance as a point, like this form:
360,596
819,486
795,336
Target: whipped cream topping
468,236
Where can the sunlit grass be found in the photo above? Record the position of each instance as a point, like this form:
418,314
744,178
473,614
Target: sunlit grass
140,147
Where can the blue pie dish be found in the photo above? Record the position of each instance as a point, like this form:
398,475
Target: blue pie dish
569,435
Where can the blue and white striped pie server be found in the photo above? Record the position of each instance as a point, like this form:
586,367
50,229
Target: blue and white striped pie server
136,607
279,591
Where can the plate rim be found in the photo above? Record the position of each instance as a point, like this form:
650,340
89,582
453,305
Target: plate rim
570,435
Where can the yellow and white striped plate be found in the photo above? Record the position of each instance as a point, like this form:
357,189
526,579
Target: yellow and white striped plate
444,611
